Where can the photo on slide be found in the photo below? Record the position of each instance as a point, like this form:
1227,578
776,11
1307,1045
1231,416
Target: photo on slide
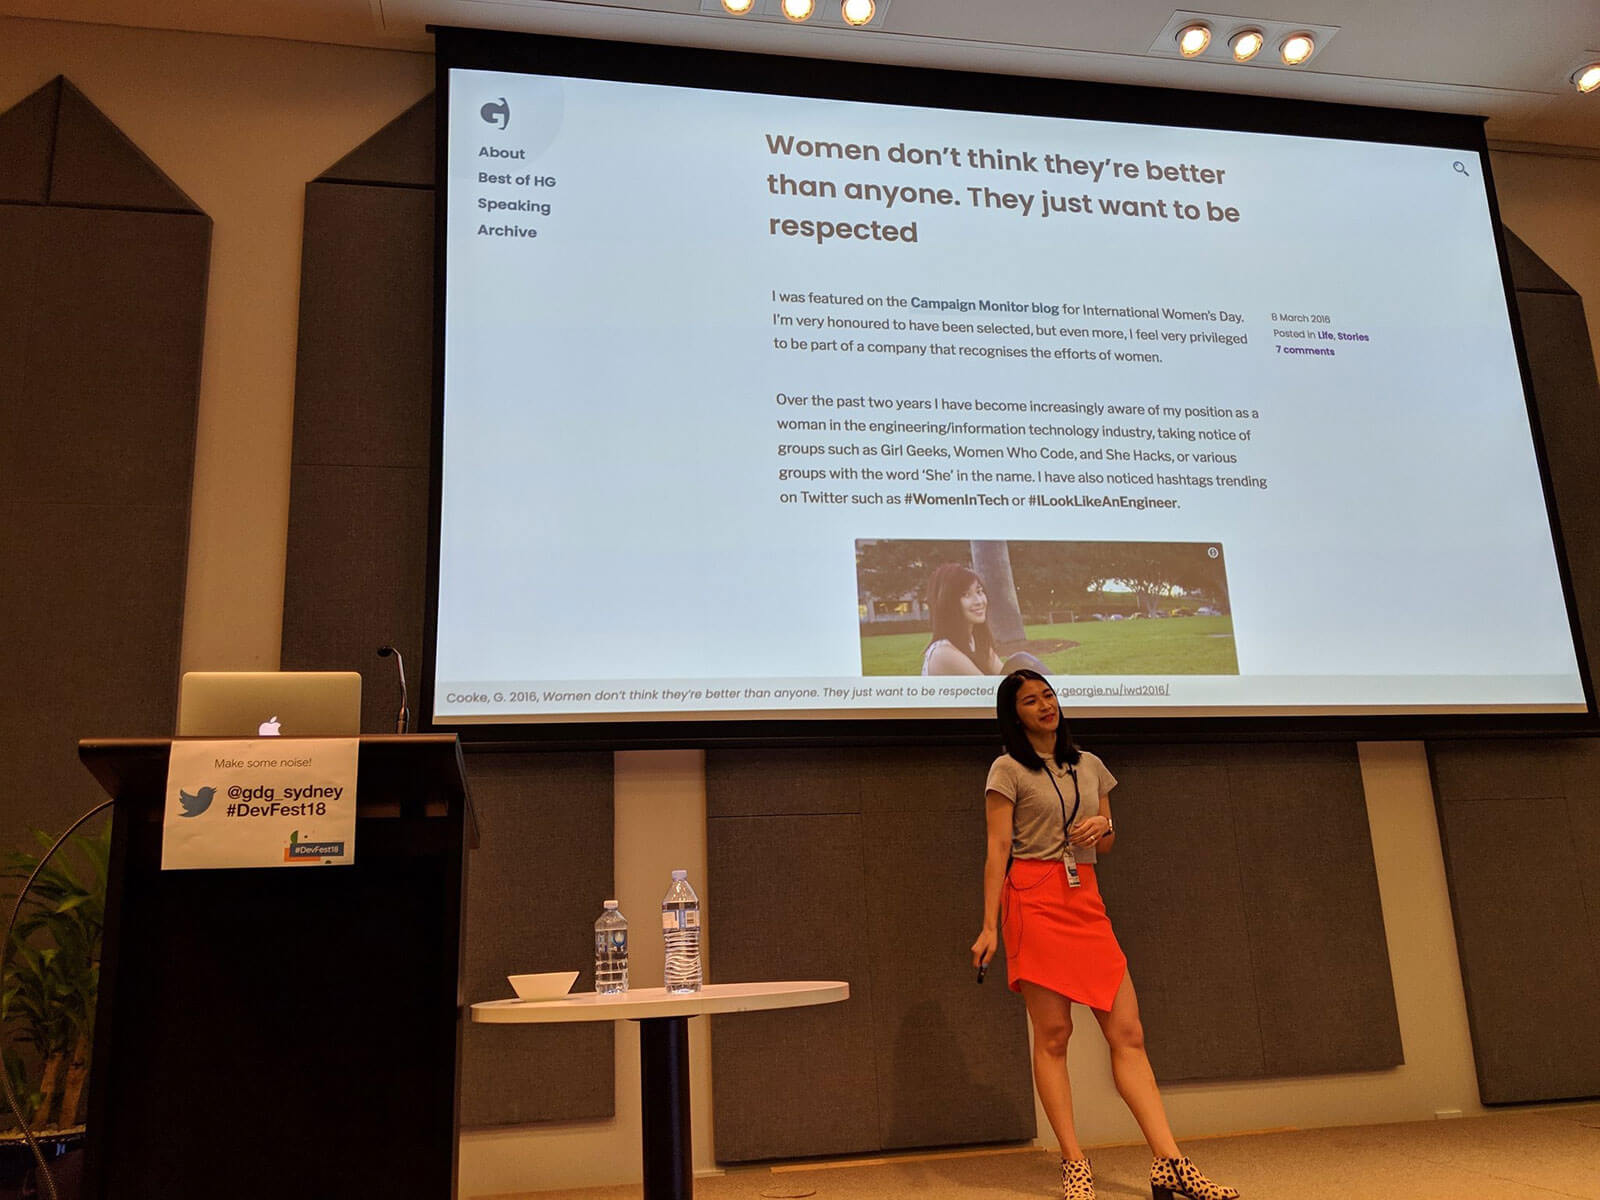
935,607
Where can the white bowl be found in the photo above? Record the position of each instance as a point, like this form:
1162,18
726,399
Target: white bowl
552,985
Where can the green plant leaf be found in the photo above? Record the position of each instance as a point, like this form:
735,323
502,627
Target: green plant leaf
52,972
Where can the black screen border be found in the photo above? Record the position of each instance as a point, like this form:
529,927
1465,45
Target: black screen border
741,71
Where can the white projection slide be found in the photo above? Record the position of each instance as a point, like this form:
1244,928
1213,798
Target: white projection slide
765,406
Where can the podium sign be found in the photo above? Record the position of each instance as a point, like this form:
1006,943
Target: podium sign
261,802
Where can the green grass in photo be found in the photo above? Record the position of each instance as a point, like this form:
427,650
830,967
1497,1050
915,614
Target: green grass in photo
1171,646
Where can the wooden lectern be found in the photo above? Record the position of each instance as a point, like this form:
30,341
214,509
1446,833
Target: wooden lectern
283,1032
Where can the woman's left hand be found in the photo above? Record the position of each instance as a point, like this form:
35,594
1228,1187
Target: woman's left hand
1088,831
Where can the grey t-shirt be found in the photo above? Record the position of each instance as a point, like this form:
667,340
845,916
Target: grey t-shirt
1036,830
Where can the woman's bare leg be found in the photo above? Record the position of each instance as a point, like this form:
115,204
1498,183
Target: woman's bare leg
1051,1016
1130,1067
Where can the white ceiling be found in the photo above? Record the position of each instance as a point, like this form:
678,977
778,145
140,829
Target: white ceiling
1506,59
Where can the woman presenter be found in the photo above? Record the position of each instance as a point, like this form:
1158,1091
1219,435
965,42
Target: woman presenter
1048,811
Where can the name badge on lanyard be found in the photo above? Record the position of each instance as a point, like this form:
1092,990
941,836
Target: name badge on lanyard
1067,860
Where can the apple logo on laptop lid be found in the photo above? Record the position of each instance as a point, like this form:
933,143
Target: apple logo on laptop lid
269,728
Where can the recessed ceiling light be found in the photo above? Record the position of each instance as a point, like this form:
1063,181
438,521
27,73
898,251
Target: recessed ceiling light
1587,79
1245,39
798,10
1193,39
1297,47
857,12
738,7
1246,44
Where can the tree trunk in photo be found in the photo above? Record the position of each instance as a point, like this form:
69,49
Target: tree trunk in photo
992,562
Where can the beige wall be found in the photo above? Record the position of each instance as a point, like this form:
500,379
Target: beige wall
241,125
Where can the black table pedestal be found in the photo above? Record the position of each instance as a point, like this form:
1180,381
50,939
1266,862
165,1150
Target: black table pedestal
664,1084
663,1019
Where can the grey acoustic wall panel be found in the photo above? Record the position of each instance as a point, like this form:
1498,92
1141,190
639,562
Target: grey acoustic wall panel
1529,272
94,163
27,132
358,501
1568,400
1319,960
1250,911
946,1051
802,1082
940,1037
102,319
535,886
1518,819
1185,930
1257,950
1519,829
357,558
399,154
353,545
1583,821
363,371
1521,862
107,415
91,644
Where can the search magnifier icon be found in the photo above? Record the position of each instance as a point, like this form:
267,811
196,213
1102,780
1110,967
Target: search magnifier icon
1461,168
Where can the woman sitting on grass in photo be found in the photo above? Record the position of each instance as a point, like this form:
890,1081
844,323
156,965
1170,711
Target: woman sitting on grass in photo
961,643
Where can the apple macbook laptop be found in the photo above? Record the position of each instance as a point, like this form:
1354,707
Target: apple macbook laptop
269,703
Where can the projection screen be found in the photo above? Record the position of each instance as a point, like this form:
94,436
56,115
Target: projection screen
784,391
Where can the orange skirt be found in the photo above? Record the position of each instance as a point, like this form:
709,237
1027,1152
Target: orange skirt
1059,937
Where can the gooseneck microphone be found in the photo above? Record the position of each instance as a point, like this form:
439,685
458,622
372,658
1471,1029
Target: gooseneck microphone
402,722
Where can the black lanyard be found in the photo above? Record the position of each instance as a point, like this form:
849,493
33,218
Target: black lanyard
1077,799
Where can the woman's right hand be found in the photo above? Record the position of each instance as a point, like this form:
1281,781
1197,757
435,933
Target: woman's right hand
983,949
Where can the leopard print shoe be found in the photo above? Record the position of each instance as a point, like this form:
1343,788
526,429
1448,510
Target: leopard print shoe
1172,1178
1077,1179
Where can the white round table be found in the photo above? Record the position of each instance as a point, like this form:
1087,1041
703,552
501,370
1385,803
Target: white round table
664,1053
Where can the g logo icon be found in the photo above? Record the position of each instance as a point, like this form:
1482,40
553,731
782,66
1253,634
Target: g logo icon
497,112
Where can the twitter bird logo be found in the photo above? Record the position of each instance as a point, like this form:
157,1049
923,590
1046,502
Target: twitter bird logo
196,804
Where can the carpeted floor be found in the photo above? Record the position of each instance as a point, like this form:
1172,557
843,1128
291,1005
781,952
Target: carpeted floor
1541,1154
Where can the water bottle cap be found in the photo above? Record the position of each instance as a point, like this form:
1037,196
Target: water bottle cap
610,904
680,874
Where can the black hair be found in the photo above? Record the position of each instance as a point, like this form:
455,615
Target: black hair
1015,736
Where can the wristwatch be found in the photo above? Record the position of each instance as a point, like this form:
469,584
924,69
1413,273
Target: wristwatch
1110,829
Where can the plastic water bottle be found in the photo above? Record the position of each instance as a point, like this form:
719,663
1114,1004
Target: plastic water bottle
680,924
611,951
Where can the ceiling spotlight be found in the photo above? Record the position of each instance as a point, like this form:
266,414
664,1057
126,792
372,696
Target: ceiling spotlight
1297,47
1246,44
738,7
1193,39
857,12
1587,79
798,10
